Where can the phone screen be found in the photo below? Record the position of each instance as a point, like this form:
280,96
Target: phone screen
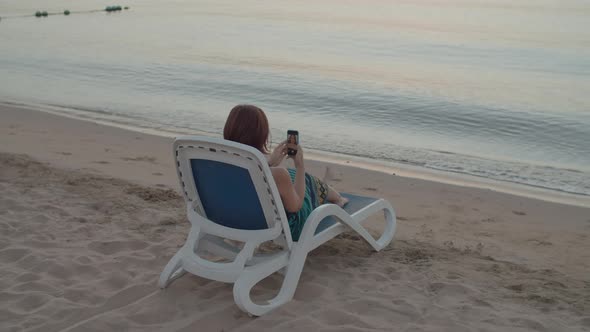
292,138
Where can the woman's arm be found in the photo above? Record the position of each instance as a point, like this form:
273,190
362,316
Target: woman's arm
278,154
292,193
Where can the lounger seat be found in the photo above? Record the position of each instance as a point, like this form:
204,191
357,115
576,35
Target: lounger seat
355,203
230,194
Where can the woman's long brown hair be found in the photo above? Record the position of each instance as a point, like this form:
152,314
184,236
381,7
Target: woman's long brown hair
247,124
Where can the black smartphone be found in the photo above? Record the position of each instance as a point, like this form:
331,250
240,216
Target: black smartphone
292,138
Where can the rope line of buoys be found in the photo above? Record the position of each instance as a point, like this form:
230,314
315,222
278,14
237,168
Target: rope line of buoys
67,12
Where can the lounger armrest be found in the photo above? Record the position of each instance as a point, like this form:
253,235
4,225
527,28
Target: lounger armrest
318,215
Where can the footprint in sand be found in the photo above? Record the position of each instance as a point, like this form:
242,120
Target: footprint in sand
80,220
13,254
37,286
516,288
374,277
382,313
528,324
453,275
335,317
12,205
455,208
540,242
83,260
585,321
31,302
52,210
541,299
27,277
481,303
113,247
82,296
309,291
449,288
141,158
449,293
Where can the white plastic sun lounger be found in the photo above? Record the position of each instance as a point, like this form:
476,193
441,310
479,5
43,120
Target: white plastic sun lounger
230,194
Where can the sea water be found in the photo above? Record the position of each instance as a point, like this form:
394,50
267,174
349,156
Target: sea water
494,89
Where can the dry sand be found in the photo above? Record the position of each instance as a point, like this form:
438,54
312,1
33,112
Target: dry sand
89,216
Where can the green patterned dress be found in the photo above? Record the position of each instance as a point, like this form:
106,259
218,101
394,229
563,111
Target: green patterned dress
316,193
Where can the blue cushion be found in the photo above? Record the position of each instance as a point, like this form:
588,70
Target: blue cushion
228,195
355,203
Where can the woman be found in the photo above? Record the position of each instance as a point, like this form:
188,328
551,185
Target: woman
300,192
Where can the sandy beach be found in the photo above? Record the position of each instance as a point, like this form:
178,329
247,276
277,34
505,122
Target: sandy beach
90,214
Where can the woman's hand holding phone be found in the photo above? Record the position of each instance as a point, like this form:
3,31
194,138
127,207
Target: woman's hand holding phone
278,154
298,157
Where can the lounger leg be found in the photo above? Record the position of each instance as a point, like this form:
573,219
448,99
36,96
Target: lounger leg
354,221
172,271
253,275
390,226
388,232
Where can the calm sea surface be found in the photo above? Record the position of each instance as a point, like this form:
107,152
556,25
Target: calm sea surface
497,89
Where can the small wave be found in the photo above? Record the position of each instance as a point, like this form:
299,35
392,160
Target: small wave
84,109
445,152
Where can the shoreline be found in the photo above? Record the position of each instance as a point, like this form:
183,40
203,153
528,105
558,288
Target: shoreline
387,167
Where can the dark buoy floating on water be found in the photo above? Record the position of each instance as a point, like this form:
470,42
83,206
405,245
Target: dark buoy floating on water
113,8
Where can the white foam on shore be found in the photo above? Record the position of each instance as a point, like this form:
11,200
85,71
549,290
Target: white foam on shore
399,169
458,179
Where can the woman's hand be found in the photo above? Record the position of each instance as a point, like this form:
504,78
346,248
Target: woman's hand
278,154
298,157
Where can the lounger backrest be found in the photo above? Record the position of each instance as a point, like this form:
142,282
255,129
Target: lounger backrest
227,183
228,195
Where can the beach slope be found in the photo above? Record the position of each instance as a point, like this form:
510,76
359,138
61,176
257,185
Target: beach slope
90,214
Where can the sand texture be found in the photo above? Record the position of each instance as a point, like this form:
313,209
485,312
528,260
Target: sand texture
89,216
